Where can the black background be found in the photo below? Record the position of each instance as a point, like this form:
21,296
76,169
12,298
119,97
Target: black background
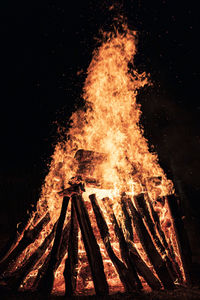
44,45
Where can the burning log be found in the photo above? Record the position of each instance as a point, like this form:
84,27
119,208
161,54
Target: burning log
29,237
157,221
124,274
181,238
128,220
73,189
123,245
143,209
63,250
15,280
170,250
13,242
88,167
143,269
91,247
71,263
46,283
153,255
140,265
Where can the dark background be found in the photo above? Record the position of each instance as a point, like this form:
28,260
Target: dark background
44,45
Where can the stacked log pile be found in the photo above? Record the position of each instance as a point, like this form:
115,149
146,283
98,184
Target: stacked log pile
140,218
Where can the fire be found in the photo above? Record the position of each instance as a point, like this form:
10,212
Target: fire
109,126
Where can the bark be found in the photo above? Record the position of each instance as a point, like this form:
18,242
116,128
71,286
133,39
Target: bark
181,237
143,209
16,279
143,269
91,247
153,255
14,240
46,284
88,163
71,263
29,237
63,250
124,274
128,221
123,245
174,265
141,266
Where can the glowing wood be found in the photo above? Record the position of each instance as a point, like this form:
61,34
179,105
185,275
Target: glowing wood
91,247
71,263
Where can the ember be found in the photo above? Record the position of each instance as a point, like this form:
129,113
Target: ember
103,223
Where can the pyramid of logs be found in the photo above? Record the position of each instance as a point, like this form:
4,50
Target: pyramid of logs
64,237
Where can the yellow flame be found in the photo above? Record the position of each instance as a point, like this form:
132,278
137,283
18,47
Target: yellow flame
109,124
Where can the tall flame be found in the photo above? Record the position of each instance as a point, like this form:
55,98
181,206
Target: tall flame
109,124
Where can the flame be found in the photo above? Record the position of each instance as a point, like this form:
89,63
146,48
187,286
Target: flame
108,124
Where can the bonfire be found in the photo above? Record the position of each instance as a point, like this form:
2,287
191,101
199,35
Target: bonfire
103,223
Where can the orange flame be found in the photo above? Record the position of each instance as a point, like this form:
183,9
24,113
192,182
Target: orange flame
109,124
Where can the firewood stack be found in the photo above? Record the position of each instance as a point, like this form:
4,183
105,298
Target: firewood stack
141,223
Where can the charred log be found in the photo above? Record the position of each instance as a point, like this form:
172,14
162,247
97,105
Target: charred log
71,263
63,250
143,269
124,274
140,265
15,239
46,283
88,164
128,220
153,255
143,209
125,254
144,213
91,247
16,279
29,237
181,237
174,265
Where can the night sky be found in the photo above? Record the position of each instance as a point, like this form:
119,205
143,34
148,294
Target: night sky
44,45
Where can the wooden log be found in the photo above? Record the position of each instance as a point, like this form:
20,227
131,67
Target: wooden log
63,250
46,284
170,250
125,254
29,237
91,247
88,167
71,263
143,209
181,237
147,244
128,220
15,239
75,188
140,265
124,274
143,269
16,278
156,220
